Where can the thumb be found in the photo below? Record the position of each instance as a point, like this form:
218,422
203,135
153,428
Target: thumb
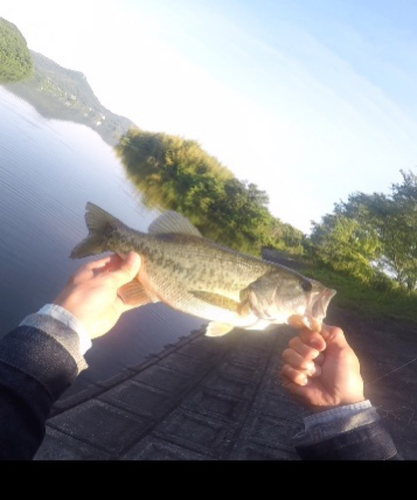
128,269
334,336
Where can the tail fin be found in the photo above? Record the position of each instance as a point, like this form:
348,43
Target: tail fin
99,224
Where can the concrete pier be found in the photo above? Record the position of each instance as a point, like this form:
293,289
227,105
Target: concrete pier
200,399
221,399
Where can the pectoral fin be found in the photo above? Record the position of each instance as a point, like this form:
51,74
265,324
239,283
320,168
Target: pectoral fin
135,294
216,299
215,329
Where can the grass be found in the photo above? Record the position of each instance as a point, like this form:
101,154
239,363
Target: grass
362,298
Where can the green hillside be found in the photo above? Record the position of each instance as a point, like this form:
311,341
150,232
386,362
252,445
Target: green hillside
64,94
15,59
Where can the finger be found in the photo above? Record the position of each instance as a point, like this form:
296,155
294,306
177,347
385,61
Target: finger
293,358
91,269
334,335
296,321
300,363
313,339
95,264
114,263
303,349
291,375
129,268
301,322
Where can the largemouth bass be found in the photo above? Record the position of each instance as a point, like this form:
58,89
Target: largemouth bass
197,276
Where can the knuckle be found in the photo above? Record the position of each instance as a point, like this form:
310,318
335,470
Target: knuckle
337,333
294,342
287,354
286,370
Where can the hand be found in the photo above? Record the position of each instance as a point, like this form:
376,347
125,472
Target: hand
322,369
91,293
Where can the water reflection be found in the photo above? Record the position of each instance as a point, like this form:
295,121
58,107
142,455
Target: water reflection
48,171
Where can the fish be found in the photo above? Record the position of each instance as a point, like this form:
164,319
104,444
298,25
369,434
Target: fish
197,276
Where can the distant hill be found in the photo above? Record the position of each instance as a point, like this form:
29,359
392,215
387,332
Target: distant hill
63,94
15,60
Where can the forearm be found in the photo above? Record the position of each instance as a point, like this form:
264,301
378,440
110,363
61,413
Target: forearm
39,360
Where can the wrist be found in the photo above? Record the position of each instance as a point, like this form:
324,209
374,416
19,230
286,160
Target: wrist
343,403
66,317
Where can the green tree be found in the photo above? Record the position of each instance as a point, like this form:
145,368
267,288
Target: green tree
283,236
373,235
394,218
177,174
344,244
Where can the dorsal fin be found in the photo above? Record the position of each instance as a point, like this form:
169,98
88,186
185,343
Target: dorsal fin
173,222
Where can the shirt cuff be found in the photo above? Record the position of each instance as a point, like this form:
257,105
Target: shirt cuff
330,423
68,319
329,416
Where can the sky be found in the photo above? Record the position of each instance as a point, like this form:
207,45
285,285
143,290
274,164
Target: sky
311,100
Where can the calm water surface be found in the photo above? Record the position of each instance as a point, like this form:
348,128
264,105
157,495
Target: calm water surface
49,169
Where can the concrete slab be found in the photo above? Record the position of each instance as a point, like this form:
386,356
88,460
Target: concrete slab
161,377
250,450
152,448
268,431
227,380
200,353
214,404
139,399
185,364
197,433
102,426
60,446
279,406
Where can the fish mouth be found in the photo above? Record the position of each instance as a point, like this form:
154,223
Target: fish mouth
319,303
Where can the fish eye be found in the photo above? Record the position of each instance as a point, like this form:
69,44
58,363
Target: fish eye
306,286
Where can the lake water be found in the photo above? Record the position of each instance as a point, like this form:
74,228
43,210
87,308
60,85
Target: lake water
49,169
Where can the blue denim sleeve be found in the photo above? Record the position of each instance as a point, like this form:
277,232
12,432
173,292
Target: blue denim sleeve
369,442
350,432
37,364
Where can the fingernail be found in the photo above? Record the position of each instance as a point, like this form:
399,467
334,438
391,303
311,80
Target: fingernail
303,381
315,343
310,367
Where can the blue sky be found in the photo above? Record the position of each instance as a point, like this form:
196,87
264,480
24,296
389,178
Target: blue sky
309,99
